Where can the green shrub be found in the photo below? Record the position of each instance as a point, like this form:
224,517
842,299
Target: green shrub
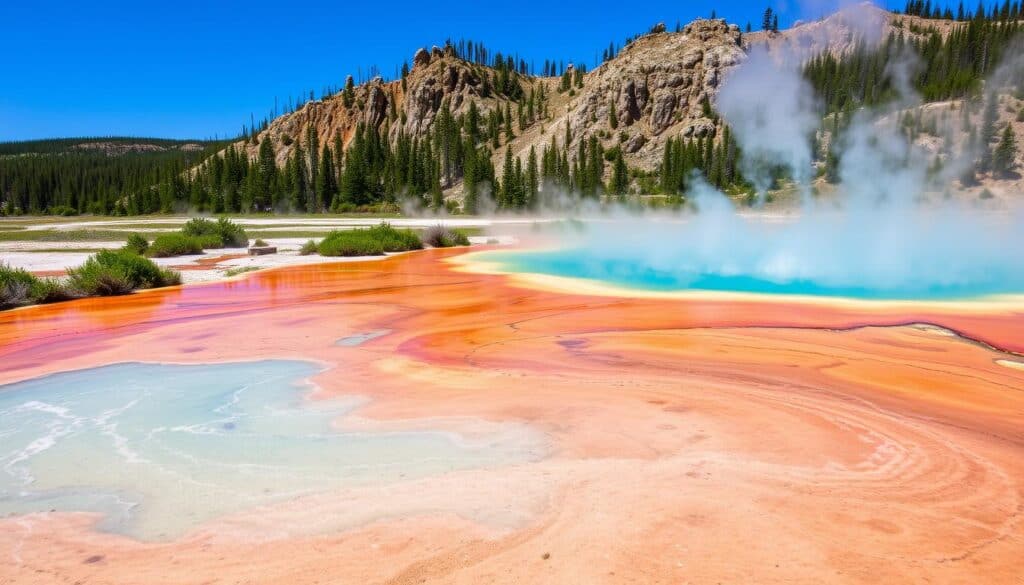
52,290
20,287
350,243
210,242
259,243
174,244
17,287
199,226
308,248
230,234
92,279
393,240
137,244
119,272
440,236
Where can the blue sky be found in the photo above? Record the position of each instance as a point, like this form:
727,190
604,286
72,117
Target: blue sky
191,69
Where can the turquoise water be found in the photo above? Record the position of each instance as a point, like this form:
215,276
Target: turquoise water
159,449
633,271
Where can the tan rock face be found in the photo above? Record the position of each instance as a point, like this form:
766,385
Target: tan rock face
437,75
658,84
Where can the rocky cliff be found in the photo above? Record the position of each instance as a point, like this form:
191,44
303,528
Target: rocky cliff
660,86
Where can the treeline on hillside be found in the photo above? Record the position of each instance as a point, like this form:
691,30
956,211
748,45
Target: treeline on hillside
950,67
926,9
91,175
371,172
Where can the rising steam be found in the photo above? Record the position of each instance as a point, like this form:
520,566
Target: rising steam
888,231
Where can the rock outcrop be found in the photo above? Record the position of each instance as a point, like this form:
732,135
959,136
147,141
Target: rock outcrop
660,86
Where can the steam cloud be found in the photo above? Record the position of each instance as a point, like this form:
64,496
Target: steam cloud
889,228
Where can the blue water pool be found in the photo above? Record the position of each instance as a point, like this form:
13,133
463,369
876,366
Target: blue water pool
679,273
159,449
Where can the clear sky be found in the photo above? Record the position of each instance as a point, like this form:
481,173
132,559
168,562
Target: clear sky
196,69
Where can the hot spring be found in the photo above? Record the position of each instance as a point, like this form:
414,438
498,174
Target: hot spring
940,254
159,449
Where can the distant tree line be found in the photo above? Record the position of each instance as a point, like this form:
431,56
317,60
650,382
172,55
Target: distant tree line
79,175
951,67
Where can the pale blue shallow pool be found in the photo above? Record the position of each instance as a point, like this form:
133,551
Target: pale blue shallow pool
630,272
159,449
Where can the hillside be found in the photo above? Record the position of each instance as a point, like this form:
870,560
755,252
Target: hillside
464,129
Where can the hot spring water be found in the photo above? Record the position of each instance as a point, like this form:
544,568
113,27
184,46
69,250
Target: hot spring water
159,449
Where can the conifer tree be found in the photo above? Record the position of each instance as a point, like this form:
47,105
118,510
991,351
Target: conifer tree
1004,157
620,175
507,180
348,96
532,179
509,135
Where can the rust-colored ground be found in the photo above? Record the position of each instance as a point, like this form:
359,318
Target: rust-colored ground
693,441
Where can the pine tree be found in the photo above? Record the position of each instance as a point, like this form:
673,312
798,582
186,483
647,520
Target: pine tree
324,186
613,118
507,191
988,133
348,96
1004,157
509,135
532,179
620,175
297,180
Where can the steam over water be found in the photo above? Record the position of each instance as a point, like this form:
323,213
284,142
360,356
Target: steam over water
926,255
894,228
159,449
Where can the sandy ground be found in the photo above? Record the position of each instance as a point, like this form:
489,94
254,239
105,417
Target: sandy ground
48,258
276,222
691,441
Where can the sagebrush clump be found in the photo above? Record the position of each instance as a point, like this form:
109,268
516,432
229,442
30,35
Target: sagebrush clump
19,287
230,234
174,244
309,248
118,272
440,236
137,244
374,241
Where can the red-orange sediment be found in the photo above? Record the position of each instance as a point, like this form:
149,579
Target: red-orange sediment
699,440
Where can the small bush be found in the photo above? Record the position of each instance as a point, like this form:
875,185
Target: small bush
136,244
373,241
174,244
230,234
20,287
394,240
308,248
199,226
210,242
350,243
17,287
52,290
110,272
259,243
440,236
